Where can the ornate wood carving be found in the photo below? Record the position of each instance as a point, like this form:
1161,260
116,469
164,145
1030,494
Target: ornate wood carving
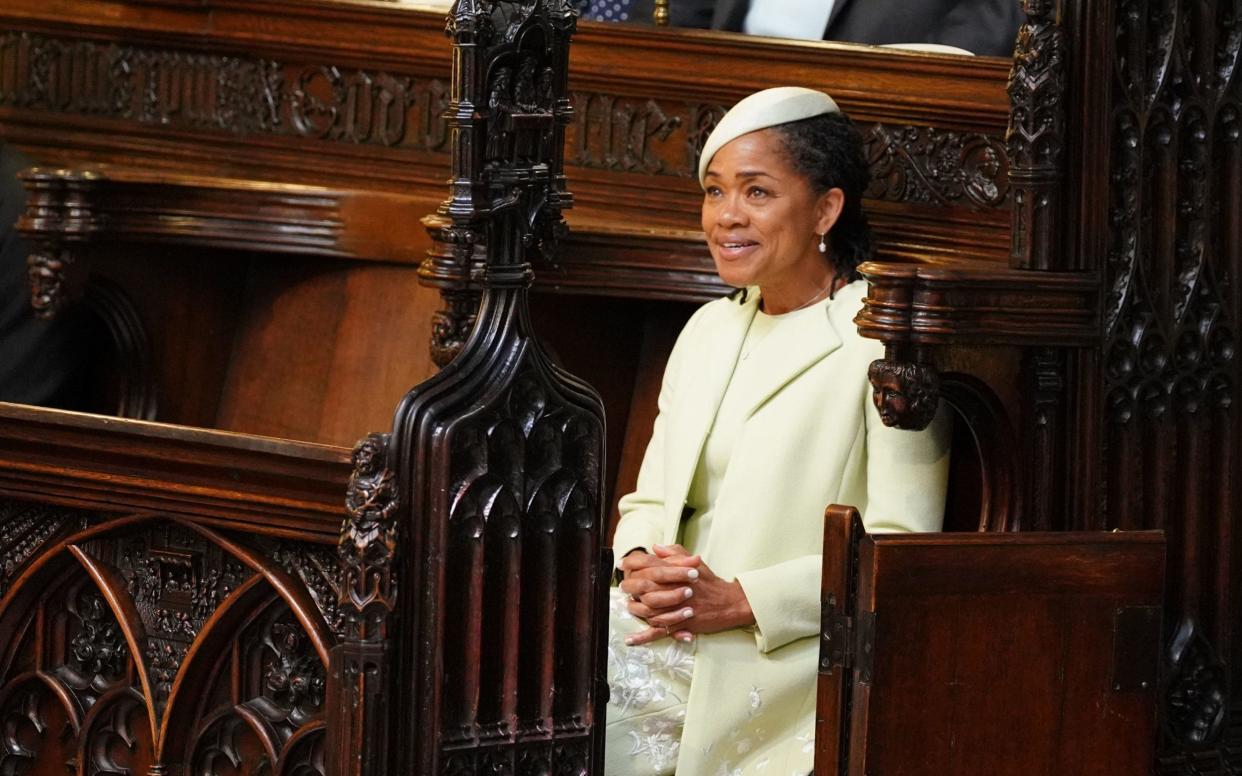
48,269
362,676
1195,688
498,458
60,204
369,541
25,529
142,644
905,393
1037,135
326,101
934,166
1170,372
236,94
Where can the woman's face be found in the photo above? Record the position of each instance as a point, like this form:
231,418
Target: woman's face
763,220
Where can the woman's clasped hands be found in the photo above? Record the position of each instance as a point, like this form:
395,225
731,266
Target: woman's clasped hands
678,595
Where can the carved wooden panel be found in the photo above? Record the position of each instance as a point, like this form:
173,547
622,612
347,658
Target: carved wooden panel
1170,371
325,101
218,92
147,645
494,469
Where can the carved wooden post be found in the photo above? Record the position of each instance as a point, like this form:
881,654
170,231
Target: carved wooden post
1036,136
361,663
494,661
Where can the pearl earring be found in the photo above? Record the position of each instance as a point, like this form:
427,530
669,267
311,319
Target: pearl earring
823,246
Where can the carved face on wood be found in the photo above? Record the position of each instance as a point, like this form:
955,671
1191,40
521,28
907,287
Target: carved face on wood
763,221
905,394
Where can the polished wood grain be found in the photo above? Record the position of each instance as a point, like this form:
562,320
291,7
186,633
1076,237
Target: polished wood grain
245,482
996,653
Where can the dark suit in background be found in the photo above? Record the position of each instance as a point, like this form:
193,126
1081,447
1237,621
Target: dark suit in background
39,360
984,27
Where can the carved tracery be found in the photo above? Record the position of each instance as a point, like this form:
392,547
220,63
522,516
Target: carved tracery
498,459
144,642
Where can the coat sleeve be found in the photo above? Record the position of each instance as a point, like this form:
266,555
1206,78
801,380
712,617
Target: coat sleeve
905,479
642,512
907,474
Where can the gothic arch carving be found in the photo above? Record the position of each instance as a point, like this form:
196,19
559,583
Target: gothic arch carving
126,615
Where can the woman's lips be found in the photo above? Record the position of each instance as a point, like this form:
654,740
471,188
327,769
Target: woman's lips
735,249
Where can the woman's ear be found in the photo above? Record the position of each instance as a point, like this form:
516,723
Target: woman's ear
828,210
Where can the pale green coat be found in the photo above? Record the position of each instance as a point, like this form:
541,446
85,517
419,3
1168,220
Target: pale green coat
811,438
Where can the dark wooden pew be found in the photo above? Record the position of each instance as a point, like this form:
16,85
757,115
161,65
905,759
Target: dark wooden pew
1001,653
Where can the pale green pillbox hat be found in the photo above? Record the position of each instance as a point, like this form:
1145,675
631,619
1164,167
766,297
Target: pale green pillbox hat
761,110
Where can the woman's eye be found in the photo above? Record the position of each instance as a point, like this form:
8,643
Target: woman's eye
712,191
755,192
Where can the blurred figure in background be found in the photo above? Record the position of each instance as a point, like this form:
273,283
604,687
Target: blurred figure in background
983,27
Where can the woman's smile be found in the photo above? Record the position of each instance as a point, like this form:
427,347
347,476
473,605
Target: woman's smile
734,249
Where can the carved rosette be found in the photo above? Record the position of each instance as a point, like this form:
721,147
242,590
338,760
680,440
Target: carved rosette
1037,135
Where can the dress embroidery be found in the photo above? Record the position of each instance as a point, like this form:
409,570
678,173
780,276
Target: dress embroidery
648,685
658,739
643,675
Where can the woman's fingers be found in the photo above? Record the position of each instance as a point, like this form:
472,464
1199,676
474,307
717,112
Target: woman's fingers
637,561
668,550
640,563
666,598
645,637
672,618
655,634
664,575
660,615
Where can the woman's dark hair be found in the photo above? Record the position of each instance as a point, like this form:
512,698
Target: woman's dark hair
828,150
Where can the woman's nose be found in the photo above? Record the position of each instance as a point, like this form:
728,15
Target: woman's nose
730,212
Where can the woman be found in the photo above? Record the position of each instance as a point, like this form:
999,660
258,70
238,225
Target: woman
765,419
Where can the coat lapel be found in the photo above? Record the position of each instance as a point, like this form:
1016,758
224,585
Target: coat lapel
837,7
705,379
792,348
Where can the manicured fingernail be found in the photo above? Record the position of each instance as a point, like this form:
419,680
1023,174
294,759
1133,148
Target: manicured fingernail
692,574
657,546
686,637
687,613
629,641
687,592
